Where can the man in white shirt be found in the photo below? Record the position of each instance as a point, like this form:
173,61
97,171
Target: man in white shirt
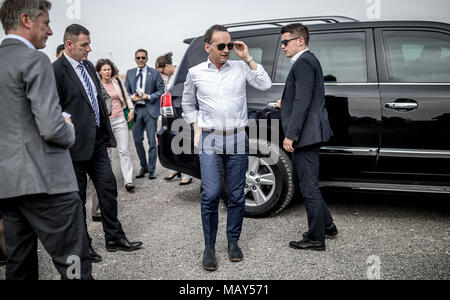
219,87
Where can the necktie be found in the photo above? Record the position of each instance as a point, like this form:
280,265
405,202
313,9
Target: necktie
140,77
91,92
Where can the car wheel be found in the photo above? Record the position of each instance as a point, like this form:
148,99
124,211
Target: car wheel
269,187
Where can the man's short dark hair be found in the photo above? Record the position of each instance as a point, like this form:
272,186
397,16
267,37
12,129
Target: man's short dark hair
73,32
209,33
60,48
102,62
11,10
297,29
141,50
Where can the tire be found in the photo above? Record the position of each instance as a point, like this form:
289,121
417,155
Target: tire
269,187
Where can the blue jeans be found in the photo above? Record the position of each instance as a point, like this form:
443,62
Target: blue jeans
214,157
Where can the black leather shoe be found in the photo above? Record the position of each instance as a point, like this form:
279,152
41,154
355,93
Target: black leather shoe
234,252
142,173
331,232
96,219
172,176
151,176
95,257
122,245
130,188
3,260
209,262
307,244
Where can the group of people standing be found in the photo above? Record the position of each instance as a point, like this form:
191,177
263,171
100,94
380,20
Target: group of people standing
62,118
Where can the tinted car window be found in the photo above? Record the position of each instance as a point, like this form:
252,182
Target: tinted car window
417,56
342,55
262,48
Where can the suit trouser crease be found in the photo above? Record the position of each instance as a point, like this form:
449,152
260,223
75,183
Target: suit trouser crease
56,220
212,164
100,171
306,162
145,122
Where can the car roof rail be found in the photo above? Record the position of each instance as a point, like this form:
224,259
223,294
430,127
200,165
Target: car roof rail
278,22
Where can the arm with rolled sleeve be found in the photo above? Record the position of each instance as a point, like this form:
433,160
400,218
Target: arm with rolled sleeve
259,79
190,113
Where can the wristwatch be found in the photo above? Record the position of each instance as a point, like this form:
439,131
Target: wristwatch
250,59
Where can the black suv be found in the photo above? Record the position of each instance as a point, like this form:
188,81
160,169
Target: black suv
388,99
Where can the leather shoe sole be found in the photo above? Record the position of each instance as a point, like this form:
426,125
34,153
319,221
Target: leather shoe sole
304,246
122,248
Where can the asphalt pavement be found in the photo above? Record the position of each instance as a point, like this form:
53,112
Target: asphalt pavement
381,236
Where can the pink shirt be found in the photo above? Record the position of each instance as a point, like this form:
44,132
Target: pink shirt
117,110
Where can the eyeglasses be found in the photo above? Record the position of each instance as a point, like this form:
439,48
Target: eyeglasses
286,42
222,46
141,58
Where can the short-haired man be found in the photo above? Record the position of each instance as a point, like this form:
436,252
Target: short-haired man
80,93
219,87
38,188
305,125
60,51
145,87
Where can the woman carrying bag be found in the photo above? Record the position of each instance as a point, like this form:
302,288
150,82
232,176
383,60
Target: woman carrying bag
121,117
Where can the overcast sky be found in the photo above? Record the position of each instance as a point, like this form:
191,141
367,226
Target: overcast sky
119,27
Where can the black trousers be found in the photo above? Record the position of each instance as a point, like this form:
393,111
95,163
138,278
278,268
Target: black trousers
57,221
100,171
306,167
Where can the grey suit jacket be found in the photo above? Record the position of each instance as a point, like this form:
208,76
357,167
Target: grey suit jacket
154,88
34,138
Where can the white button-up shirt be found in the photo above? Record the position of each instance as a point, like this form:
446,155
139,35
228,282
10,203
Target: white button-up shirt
296,56
144,82
221,94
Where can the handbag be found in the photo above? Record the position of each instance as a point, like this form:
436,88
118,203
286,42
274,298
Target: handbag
126,110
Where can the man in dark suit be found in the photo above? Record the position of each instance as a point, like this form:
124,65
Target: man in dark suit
80,94
145,87
38,189
305,124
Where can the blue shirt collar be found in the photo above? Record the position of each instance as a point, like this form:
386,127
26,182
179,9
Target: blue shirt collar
22,39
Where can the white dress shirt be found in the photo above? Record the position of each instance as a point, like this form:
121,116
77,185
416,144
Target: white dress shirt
74,63
144,82
294,59
221,94
22,39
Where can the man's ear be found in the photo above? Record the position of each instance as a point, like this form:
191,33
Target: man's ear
207,47
25,21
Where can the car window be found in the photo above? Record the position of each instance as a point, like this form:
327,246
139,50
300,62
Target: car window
417,56
342,56
261,48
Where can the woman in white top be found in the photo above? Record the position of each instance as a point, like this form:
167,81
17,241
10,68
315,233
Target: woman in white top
167,69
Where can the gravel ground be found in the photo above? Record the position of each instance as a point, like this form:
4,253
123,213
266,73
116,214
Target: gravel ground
409,235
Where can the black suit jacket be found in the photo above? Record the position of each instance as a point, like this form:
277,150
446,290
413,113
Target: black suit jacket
75,101
303,113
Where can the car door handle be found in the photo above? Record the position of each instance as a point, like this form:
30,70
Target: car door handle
402,105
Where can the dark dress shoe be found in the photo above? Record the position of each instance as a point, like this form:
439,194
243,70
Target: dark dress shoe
331,232
186,182
172,176
122,245
96,219
234,252
94,256
130,188
307,244
209,261
3,259
142,173
151,176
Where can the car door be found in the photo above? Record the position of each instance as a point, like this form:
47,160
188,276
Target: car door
352,100
414,66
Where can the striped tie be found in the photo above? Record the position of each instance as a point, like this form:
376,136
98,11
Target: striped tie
91,92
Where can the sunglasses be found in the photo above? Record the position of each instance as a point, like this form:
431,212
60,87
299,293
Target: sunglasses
222,46
286,42
141,58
